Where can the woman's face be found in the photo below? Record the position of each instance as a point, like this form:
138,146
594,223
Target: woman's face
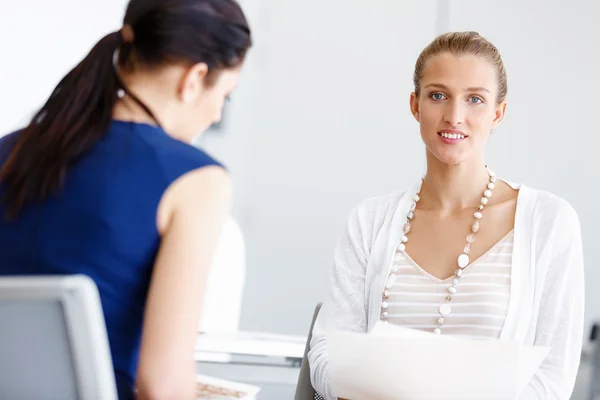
457,107
211,103
201,99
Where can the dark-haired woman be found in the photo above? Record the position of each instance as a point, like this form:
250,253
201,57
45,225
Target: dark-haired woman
104,182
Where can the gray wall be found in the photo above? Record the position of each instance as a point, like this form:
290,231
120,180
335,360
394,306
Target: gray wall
331,126
321,118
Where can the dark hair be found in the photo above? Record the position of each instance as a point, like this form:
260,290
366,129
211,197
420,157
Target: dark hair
79,110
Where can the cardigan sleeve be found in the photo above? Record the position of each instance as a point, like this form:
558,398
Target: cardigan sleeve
345,307
560,319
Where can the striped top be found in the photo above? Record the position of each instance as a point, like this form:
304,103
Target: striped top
479,306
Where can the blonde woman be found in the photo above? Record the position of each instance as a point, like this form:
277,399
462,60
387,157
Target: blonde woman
463,252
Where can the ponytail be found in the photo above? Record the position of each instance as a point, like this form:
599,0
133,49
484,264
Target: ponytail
74,118
80,109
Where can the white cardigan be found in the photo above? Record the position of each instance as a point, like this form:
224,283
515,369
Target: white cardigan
547,284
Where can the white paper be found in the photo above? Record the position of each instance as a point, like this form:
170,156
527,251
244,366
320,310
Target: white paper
211,388
394,363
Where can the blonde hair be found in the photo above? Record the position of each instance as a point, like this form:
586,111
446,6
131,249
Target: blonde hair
463,43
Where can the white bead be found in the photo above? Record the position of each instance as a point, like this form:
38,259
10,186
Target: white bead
411,215
416,198
440,321
384,305
413,206
406,227
390,282
487,193
492,179
452,290
475,227
404,239
471,238
484,200
445,310
478,215
455,281
384,314
386,294
438,331
491,186
401,247
458,272
463,260
467,249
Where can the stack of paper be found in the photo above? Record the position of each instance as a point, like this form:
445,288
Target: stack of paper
209,388
395,363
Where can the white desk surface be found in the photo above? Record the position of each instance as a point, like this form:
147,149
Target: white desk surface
249,343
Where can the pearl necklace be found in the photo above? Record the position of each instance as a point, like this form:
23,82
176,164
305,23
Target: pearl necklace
463,260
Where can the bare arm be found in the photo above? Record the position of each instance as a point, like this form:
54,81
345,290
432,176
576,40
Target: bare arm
190,217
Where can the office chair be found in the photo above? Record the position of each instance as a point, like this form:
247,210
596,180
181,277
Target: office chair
53,340
595,381
304,389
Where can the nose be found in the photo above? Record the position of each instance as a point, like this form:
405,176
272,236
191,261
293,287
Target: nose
454,113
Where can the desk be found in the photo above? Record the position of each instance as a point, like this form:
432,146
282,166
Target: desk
276,382
269,361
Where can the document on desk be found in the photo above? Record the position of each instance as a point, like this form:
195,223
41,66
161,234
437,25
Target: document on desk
210,388
395,363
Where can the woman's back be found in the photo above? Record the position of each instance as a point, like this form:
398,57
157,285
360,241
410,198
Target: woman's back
103,224
130,203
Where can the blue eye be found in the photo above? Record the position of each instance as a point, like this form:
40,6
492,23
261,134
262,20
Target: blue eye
437,96
475,100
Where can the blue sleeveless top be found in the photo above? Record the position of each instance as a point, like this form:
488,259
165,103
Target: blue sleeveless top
103,224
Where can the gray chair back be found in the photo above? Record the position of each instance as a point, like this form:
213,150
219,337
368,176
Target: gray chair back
595,381
304,389
53,341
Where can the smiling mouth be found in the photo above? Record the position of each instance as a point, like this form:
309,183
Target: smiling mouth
452,136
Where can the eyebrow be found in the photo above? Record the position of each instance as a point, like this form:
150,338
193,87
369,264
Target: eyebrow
471,89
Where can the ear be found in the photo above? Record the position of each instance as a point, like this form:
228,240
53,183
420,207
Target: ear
499,116
192,82
414,106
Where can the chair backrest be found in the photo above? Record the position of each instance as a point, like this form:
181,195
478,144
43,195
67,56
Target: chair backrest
304,389
595,381
53,340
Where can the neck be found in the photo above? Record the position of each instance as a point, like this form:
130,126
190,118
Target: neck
453,188
146,91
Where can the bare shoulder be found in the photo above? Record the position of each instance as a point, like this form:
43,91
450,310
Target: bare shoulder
199,189
196,180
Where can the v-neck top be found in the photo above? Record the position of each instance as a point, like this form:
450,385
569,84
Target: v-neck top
547,290
479,306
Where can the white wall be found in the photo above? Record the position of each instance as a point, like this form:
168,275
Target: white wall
40,42
331,129
549,139
333,123
321,119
